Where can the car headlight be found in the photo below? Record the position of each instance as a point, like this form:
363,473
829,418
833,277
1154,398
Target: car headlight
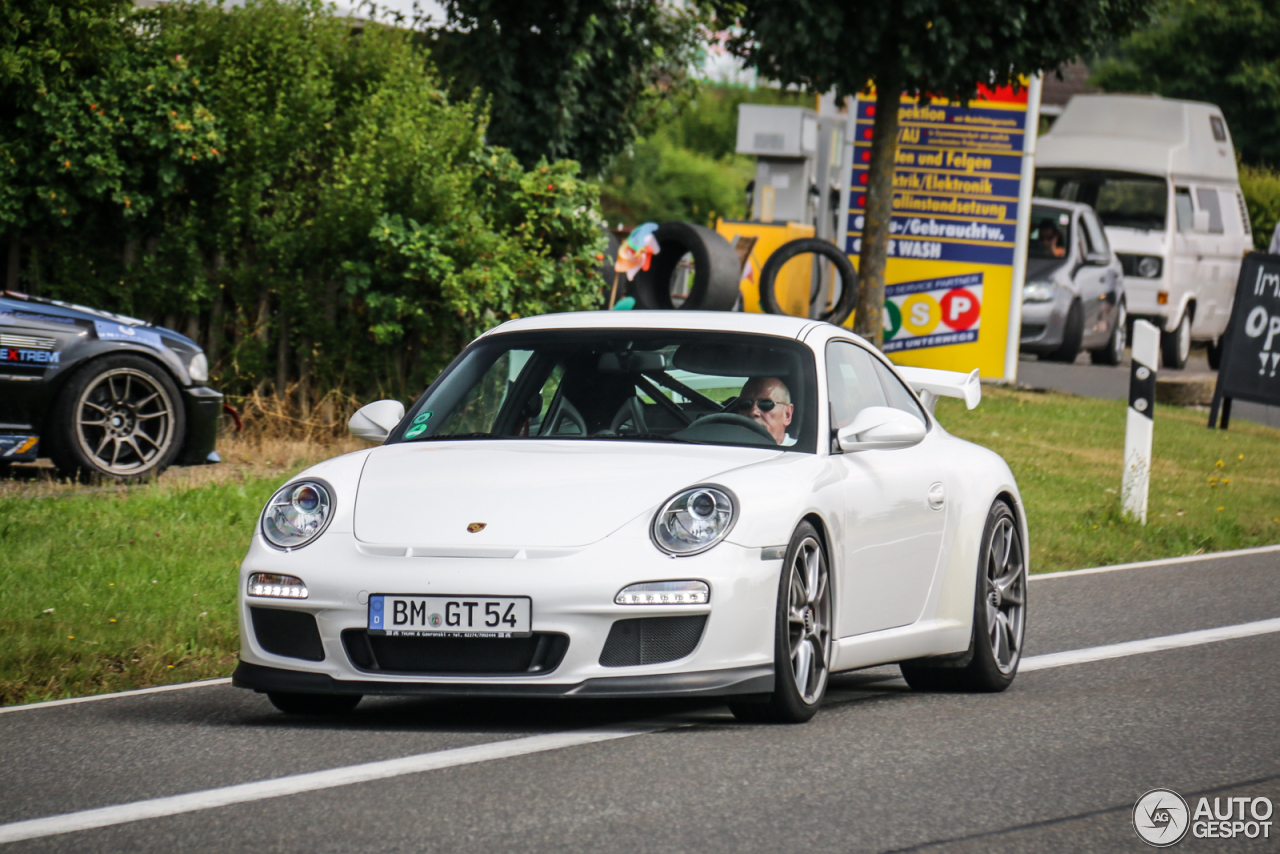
297,514
199,368
694,520
1149,267
1037,292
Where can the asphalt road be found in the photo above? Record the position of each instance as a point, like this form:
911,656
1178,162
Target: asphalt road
1055,763
1112,383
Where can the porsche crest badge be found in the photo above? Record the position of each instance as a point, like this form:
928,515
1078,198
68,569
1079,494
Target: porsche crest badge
475,527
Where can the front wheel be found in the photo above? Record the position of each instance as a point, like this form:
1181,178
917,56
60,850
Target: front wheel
999,617
802,637
1175,346
119,417
1072,335
313,704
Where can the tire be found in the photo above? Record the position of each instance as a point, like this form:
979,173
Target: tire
314,704
805,581
1113,352
811,245
1072,335
119,418
990,663
1215,354
1175,346
715,270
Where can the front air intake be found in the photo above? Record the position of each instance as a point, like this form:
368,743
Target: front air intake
289,633
651,640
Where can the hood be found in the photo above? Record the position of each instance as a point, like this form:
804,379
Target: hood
528,494
1041,269
23,306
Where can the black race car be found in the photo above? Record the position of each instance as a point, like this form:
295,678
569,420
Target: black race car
101,394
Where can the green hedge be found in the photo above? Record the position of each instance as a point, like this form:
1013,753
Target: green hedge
1261,188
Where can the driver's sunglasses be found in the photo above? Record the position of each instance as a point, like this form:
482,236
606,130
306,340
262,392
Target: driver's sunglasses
764,403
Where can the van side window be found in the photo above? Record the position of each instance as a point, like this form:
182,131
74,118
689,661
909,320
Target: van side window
1207,198
1182,201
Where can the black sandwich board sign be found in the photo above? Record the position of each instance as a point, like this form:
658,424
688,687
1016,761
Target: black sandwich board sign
1250,367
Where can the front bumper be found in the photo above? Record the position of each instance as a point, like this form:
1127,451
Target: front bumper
735,681
572,594
203,408
1043,323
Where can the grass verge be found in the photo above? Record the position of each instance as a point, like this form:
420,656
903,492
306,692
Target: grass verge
111,589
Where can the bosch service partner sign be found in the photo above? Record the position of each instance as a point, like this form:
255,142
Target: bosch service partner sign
1250,368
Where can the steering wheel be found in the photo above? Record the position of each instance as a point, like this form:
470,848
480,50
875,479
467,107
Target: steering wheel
632,410
736,420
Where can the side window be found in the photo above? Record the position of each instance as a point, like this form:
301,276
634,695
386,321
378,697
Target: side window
852,382
1207,198
899,396
1182,204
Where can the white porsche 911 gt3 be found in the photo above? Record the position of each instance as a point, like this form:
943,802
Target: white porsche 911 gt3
657,504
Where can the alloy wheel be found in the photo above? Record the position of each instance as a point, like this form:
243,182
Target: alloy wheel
809,620
124,421
1006,595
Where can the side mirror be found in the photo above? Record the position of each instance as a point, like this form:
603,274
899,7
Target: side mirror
374,422
1097,259
881,428
1200,222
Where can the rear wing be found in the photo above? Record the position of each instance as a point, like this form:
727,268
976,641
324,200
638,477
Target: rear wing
931,385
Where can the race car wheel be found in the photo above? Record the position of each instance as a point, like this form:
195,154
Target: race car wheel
119,417
999,617
313,704
802,636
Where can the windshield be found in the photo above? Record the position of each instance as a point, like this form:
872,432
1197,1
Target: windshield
1122,199
1050,232
624,385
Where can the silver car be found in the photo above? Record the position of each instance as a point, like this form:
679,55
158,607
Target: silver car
1074,295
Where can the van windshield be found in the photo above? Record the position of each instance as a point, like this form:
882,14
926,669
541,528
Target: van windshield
1122,199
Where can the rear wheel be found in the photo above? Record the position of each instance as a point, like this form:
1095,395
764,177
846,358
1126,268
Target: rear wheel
999,617
313,704
1113,352
802,636
1072,335
1175,346
119,417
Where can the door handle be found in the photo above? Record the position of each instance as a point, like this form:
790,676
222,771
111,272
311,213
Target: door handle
937,496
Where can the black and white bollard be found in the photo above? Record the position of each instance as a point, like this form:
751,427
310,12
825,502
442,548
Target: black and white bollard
1139,426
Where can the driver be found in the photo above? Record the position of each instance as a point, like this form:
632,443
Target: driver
1051,240
767,401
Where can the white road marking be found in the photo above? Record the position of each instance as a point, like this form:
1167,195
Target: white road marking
317,780
1138,647
71,701
1170,561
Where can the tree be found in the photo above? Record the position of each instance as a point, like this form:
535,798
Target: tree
943,48
1221,51
572,79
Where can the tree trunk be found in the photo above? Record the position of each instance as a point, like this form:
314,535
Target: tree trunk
282,355
261,328
217,311
304,377
869,320
15,262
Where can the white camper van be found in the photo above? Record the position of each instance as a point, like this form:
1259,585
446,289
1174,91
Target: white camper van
1162,176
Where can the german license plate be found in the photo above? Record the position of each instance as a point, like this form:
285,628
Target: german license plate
451,616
